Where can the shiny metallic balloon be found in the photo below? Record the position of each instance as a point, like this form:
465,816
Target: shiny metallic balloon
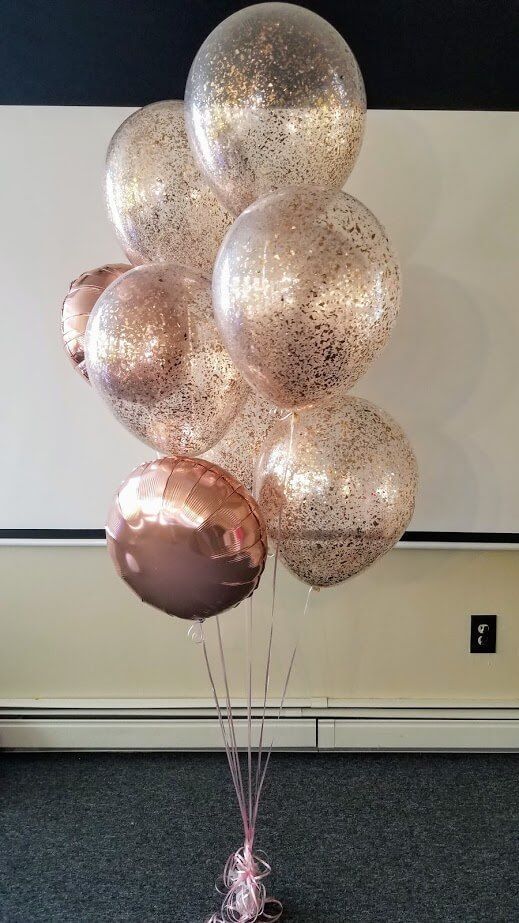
345,477
155,356
187,537
161,206
274,98
306,289
239,449
81,298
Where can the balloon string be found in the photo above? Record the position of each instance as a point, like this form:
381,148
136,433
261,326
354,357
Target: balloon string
242,884
281,705
249,706
273,608
227,745
249,667
229,751
232,730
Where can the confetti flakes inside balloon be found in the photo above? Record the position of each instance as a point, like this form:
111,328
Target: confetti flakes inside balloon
349,492
187,537
306,291
161,207
274,98
154,354
82,296
240,447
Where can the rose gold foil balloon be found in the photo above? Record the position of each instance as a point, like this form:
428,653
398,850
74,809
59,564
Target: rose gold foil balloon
154,354
187,537
274,98
345,477
306,290
240,447
78,304
161,207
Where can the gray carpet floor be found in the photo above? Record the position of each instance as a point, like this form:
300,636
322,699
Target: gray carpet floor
89,838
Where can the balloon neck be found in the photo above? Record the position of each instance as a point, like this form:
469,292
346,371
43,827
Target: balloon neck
196,631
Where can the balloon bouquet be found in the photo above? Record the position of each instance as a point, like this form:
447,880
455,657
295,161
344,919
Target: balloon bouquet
242,387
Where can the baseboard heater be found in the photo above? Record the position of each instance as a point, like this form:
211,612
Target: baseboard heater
388,728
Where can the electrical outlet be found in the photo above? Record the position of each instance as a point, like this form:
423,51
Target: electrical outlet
483,631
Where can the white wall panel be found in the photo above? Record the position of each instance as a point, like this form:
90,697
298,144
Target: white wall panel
445,185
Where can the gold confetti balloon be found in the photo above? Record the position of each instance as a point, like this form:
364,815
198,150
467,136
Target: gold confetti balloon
274,98
160,205
155,356
240,447
81,298
306,289
187,537
344,477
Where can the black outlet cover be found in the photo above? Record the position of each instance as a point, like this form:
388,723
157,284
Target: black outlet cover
483,631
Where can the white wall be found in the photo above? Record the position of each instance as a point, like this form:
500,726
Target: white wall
445,185
72,629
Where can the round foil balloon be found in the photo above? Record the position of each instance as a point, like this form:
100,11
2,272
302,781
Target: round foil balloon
154,354
187,537
345,478
82,296
274,98
306,291
161,207
240,447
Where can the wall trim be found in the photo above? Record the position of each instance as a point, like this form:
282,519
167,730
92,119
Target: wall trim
314,725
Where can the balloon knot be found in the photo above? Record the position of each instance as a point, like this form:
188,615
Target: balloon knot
196,632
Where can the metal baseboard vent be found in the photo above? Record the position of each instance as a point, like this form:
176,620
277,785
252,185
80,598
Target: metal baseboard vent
311,727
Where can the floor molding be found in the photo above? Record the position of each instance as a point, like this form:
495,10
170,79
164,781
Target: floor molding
318,725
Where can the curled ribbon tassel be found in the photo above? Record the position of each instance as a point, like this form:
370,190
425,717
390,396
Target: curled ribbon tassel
244,893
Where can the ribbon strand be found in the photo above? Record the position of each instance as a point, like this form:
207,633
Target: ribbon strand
242,885
273,604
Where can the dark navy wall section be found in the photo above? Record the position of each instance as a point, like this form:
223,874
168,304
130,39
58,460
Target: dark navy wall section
415,54
480,538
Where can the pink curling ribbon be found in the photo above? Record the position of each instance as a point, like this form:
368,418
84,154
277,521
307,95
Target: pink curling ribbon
244,893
